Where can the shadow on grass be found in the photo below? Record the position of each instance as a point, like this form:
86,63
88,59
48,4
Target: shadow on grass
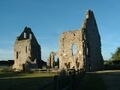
111,79
92,81
9,74
17,81
24,83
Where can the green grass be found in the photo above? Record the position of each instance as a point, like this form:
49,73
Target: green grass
34,81
24,81
8,75
93,81
111,78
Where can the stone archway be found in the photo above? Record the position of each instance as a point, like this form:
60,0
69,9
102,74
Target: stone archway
53,60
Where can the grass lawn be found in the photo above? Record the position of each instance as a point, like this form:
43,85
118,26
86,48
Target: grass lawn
24,81
93,81
101,80
111,79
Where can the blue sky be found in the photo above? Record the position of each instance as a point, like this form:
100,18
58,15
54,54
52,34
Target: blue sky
49,18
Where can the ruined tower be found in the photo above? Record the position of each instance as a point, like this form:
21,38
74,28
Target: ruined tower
81,49
27,51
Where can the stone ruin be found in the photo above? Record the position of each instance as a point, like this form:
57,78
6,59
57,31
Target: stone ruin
80,49
27,51
51,60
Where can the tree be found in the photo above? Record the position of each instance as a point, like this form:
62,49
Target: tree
56,63
116,55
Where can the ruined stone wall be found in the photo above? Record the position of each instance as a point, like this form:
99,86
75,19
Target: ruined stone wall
71,50
22,50
88,47
27,51
94,57
51,60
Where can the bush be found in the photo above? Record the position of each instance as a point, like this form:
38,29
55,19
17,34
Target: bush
6,69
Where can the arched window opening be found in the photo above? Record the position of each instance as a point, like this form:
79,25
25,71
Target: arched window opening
56,61
26,49
74,49
16,55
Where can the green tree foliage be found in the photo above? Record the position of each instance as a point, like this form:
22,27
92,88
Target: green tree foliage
116,55
109,62
56,63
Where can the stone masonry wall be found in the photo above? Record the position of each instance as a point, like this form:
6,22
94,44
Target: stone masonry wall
27,51
71,50
81,49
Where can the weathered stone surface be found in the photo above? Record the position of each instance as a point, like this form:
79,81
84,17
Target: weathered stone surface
94,59
81,49
27,51
70,57
51,60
